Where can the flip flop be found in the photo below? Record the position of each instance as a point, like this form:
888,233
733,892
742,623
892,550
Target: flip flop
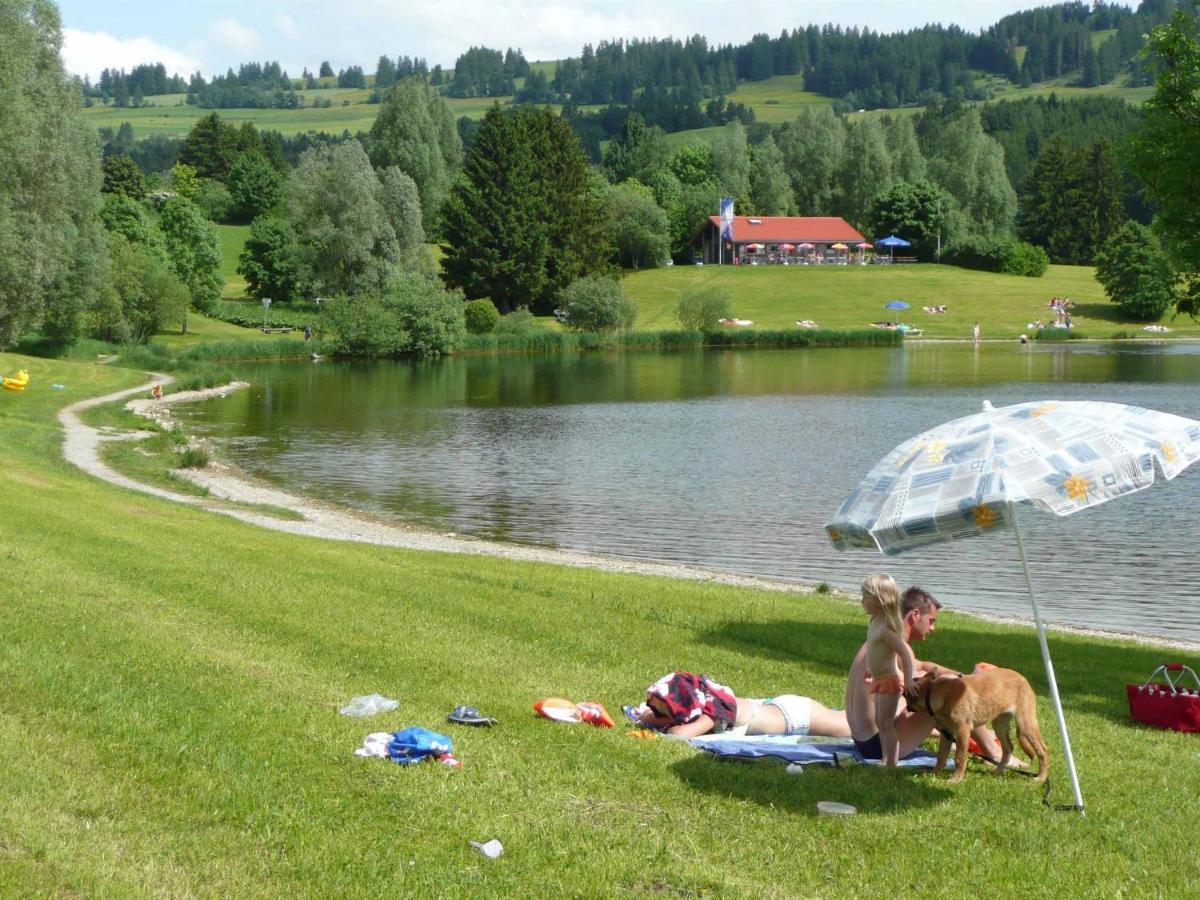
469,715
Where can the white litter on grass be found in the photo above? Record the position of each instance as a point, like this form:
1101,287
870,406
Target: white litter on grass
369,705
491,849
830,808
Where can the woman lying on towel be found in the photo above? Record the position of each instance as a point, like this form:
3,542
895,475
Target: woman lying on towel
688,705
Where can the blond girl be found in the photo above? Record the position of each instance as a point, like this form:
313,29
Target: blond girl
886,654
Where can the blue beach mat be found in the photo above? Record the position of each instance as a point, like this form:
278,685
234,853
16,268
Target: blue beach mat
802,750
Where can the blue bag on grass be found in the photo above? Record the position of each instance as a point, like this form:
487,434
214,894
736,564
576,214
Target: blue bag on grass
415,744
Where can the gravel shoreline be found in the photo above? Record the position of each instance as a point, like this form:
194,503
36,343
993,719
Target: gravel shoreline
81,447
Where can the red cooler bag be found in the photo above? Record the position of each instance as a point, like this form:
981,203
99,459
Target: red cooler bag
1171,705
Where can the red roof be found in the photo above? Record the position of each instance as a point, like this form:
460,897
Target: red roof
793,229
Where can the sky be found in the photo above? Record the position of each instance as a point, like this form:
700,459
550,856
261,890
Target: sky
211,36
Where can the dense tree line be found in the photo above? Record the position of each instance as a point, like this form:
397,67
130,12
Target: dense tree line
484,72
389,71
128,88
253,86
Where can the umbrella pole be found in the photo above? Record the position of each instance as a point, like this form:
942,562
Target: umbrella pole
1041,633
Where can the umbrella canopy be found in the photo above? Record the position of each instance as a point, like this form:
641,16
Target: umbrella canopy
754,248
787,247
892,241
863,245
968,477
895,304
839,246
806,246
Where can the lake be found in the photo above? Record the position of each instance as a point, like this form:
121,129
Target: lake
730,460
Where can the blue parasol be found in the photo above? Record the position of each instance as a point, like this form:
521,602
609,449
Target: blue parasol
892,242
895,304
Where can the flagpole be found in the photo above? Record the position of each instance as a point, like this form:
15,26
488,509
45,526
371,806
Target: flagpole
1041,633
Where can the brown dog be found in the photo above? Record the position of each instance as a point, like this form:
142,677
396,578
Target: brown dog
960,703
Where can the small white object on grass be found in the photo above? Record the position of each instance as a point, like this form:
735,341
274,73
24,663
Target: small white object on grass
830,808
795,769
491,849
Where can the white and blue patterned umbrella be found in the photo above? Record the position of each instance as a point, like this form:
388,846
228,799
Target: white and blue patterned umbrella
969,477
961,479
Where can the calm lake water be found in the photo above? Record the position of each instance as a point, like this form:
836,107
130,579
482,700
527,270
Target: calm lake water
729,460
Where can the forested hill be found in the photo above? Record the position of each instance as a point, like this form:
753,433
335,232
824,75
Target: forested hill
864,68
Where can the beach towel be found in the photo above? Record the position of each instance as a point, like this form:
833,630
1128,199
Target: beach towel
803,750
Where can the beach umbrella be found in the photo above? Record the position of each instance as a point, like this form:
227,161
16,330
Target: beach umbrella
969,477
806,246
754,248
895,304
839,246
892,242
863,245
787,248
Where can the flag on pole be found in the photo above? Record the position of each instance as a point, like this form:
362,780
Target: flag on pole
727,218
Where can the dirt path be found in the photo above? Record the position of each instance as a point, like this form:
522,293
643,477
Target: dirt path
81,446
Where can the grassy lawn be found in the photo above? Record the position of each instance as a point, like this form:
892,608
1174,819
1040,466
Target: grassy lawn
777,99
170,725
233,238
203,330
844,297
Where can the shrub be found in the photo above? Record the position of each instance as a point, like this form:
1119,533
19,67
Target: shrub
1020,258
364,327
431,316
998,254
597,304
481,316
701,309
519,321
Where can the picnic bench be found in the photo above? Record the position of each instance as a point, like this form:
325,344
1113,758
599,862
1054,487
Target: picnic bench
280,330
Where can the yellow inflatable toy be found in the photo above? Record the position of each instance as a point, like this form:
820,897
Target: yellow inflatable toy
17,382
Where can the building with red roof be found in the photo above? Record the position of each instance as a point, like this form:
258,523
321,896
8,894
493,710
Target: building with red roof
763,237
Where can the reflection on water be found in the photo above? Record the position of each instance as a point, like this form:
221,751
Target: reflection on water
731,460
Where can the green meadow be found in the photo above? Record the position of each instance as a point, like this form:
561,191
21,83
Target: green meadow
172,679
850,297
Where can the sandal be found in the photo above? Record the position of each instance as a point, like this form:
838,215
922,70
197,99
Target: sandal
469,715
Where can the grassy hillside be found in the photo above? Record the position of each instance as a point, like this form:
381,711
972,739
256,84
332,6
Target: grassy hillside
845,297
172,680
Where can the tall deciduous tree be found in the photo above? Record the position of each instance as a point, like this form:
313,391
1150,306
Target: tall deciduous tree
866,169
969,165
1165,154
912,211
640,229
194,251
344,240
51,248
415,131
731,161
401,203
812,146
770,188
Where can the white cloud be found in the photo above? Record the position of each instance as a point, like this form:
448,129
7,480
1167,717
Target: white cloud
287,26
90,52
231,35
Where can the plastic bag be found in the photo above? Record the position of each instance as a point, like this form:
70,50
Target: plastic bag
369,705
415,744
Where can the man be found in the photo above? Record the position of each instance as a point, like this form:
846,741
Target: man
919,611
